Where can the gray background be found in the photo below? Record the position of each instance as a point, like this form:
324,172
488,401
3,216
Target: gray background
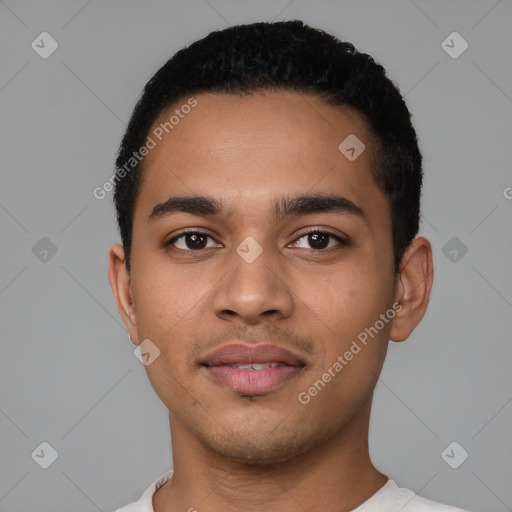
68,375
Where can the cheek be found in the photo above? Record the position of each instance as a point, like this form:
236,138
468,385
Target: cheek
163,296
156,313
353,354
346,300
165,380
171,306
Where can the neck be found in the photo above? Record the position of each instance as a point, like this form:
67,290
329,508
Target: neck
335,475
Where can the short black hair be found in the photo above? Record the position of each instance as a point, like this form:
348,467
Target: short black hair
290,56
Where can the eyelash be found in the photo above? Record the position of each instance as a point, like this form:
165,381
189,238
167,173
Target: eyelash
342,242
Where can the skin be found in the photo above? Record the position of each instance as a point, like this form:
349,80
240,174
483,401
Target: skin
267,452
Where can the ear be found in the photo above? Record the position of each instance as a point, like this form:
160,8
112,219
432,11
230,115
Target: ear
413,288
119,279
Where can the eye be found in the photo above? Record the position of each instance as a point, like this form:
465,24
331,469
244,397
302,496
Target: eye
192,241
318,240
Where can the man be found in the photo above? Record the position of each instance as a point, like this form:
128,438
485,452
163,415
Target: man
267,194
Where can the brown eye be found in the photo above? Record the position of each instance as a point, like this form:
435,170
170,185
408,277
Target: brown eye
191,241
318,240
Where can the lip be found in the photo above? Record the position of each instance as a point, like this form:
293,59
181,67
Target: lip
219,365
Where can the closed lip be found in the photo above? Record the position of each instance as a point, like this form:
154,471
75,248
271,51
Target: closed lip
240,353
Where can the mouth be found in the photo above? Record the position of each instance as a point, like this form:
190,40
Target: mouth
252,369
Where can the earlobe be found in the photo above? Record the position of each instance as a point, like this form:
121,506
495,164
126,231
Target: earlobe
413,288
120,283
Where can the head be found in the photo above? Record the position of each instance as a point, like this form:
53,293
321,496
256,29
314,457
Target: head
293,57
295,242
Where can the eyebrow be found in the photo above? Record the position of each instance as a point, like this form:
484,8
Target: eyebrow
281,208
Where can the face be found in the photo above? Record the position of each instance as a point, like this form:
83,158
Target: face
251,274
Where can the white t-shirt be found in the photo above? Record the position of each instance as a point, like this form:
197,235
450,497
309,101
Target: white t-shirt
389,498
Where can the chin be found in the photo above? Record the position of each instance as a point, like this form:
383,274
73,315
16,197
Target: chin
249,452
258,444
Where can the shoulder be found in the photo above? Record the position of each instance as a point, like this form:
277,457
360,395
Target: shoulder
145,502
392,498
411,502
418,504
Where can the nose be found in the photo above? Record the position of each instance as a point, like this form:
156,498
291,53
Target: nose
253,292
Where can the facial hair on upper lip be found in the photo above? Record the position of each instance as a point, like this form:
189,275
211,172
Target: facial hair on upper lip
304,346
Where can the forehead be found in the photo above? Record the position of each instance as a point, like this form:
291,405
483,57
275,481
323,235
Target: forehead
248,150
